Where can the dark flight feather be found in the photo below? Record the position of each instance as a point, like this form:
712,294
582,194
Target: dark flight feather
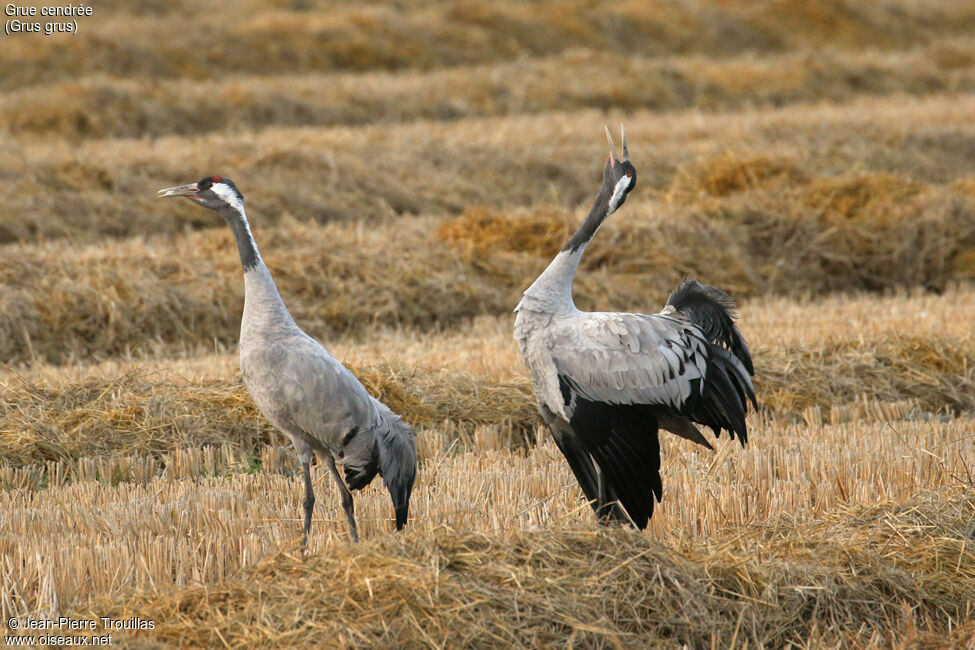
622,439
713,311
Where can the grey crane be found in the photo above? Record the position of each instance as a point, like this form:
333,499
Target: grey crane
606,382
302,389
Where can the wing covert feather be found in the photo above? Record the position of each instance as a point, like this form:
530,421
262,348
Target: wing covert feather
300,381
629,358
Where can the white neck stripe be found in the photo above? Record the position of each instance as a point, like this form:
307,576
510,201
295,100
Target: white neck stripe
618,192
229,196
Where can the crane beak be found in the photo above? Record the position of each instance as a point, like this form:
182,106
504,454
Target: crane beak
626,153
190,191
612,148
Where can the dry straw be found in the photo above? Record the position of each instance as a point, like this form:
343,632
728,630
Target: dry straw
270,41
135,412
402,210
904,573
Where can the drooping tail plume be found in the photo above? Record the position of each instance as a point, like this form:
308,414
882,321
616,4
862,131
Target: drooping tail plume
714,312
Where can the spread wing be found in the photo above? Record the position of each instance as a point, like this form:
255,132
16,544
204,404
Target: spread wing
620,376
713,311
629,358
660,360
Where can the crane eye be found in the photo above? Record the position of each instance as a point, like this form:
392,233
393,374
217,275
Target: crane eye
629,174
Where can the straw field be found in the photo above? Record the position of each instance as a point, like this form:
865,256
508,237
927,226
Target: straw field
409,168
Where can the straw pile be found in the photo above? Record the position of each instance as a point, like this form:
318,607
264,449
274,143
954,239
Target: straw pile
815,160
137,412
288,39
138,296
905,574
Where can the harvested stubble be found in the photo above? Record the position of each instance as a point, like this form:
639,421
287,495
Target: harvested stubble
109,300
106,188
139,413
60,304
730,173
822,531
152,481
326,36
611,589
136,107
937,374
837,564
811,357
123,414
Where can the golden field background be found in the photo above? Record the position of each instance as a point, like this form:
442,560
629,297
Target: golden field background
409,168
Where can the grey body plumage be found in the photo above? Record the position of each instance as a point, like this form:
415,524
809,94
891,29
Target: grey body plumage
606,382
302,389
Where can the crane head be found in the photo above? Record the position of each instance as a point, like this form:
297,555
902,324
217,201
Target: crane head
214,192
619,175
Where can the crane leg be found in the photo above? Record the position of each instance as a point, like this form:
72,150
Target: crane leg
347,502
309,502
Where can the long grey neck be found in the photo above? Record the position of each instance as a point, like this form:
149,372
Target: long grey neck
552,291
235,217
597,214
263,307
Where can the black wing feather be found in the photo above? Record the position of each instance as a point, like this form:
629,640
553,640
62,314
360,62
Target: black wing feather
722,403
622,439
728,386
580,463
713,311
